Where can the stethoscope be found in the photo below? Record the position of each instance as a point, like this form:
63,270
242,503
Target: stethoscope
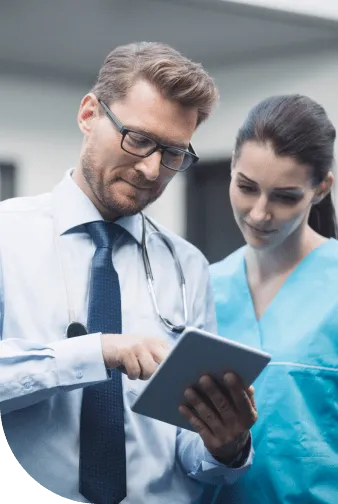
78,329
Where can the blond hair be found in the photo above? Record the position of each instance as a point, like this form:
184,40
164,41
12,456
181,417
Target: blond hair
177,78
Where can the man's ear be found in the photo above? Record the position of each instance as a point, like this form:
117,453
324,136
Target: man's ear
323,189
88,112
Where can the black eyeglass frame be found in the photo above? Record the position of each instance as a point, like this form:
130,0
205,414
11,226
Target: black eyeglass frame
158,147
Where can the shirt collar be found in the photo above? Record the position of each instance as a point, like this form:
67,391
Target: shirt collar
73,208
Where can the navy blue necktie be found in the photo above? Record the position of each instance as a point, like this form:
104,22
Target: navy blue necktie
102,437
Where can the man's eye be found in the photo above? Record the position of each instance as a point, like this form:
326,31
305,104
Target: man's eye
175,154
138,140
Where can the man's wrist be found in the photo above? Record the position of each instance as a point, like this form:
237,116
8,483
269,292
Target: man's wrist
242,456
233,452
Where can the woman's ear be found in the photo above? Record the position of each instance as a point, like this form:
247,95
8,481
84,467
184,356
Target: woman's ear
323,189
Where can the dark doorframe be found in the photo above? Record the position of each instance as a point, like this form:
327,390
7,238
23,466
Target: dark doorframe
210,223
7,180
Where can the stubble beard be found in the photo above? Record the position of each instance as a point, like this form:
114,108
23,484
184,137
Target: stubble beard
101,190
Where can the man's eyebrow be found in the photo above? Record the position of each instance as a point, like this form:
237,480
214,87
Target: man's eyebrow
167,142
277,189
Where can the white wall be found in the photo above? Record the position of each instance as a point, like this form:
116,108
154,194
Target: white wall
38,130
324,9
38,127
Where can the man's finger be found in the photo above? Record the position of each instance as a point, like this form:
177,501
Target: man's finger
219,398
206,412
195,422
159,352
132,366
147,364
241,399
251,392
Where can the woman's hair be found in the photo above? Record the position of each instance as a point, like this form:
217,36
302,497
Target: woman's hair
297,127
174,76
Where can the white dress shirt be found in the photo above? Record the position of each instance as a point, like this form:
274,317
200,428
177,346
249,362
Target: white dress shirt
45,270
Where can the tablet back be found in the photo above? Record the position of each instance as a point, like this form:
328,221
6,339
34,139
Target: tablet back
196,353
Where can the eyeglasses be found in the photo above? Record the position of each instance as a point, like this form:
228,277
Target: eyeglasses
141,145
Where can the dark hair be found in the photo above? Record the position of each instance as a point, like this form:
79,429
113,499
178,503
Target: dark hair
298,127
175,76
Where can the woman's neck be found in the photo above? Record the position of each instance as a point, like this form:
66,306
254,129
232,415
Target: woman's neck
283,258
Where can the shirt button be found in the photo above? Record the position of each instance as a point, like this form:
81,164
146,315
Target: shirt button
27,385
79,373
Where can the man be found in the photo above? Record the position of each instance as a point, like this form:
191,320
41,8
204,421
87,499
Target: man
73,258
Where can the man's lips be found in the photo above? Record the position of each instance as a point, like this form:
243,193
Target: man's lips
139,187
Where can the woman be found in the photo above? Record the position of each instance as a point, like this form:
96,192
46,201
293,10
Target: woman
280,293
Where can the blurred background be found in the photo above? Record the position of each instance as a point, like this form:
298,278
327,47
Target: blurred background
51,52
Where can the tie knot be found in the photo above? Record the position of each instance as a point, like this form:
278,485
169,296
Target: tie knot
103,234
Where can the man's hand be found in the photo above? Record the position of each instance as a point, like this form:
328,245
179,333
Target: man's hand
137,356
221,415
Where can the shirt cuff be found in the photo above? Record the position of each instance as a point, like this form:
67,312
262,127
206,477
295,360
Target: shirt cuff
79,361
212,471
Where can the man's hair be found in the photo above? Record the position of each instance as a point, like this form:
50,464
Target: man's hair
174,76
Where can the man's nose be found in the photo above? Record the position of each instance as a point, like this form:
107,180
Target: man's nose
150,166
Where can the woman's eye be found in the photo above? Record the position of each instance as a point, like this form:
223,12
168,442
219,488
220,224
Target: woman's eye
285,198
246,188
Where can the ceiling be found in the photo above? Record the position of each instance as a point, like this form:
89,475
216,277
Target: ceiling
69,39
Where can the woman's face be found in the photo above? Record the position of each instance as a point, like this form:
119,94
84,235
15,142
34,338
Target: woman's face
271,196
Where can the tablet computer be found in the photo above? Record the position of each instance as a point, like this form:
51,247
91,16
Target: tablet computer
196,353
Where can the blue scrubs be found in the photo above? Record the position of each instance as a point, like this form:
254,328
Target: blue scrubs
296,435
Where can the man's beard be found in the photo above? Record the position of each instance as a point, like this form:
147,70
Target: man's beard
102,190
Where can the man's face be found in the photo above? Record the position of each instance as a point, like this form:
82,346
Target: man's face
119,183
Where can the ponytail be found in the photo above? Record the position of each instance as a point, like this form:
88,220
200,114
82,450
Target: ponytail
322,218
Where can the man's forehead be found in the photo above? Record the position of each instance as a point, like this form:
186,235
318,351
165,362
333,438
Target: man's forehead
144,108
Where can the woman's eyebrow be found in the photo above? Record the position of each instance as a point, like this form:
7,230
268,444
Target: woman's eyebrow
295,189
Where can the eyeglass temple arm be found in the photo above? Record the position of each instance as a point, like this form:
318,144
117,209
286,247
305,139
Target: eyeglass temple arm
110,114
192,150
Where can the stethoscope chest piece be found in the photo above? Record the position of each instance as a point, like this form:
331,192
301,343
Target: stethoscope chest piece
75,329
